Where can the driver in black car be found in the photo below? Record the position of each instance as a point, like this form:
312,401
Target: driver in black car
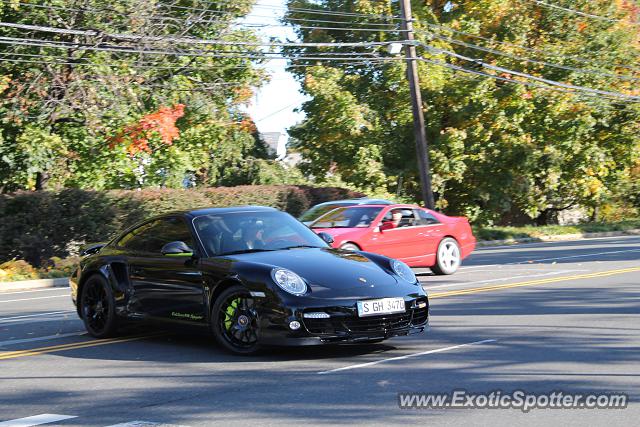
253,234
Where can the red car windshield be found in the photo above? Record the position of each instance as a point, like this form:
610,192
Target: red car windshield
350,217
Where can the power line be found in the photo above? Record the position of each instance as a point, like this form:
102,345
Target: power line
200,67
308,27
578,12
273,113
519,46
529,76
519,82
203,54
534,61
201,20
329,13
68,45
316,11
111,48
286,9
183,40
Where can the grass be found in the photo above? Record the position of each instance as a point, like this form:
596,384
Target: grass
536,232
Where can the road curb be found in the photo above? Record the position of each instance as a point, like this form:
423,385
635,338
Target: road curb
64,281
34,284
558,238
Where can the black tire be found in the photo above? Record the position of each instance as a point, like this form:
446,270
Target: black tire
234,333
98,308
448,257
349,247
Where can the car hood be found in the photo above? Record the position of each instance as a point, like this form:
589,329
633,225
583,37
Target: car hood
330,273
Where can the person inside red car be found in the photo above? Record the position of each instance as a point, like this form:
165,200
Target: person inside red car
393,218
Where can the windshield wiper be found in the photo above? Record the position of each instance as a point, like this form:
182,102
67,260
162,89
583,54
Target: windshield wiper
300,246
247,251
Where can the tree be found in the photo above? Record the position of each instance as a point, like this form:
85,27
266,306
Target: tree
110,70
499,148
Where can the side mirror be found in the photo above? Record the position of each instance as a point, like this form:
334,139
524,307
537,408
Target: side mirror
177,249
91,248
326,237
387,225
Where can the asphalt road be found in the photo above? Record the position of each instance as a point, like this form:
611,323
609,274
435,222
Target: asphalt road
537,317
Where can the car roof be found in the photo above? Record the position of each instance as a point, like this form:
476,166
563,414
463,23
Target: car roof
359,201
213,211
392,206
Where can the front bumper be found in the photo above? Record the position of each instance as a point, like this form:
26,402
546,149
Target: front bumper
343,325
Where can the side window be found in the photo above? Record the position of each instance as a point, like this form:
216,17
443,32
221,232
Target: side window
137,239
426,218
408,219
401,217
170,230
152,236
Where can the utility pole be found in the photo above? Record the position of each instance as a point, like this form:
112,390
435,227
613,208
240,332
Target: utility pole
416,104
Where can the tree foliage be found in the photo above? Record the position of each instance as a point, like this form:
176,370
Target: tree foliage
499,150
105,112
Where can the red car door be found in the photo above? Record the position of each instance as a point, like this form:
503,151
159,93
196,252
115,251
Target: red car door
401,241
430,232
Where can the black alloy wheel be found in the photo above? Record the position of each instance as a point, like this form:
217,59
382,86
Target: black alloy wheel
97,308
234,321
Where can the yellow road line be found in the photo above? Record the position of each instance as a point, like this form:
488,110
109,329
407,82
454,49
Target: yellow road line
71,346
533,282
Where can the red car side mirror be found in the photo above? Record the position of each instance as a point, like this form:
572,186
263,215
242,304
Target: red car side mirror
387,225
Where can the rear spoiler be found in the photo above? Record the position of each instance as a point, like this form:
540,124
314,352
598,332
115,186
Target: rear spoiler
91,248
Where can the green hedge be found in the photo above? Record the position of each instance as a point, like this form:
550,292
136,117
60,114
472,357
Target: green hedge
36,226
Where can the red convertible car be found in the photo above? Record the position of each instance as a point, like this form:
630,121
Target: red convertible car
418,236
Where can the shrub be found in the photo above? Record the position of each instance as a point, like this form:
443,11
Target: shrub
59,267
37,226
17,270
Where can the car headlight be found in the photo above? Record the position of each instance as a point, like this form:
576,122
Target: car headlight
289,281
404,271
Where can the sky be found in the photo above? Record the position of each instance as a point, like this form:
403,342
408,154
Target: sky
273,105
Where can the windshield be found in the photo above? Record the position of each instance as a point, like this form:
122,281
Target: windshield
350,217
318,211
242,232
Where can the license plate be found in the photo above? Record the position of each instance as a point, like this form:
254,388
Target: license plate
375,307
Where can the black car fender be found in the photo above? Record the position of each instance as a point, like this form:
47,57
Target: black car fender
256,278
114,271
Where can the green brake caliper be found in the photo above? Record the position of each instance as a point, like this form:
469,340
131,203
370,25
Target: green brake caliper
229,312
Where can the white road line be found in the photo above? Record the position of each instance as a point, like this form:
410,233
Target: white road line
36,420
143,424
461,269
31,299
57,288
407,356
502,279
45,338
30,316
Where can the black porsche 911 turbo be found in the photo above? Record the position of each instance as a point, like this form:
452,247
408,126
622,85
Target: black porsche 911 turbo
254,275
